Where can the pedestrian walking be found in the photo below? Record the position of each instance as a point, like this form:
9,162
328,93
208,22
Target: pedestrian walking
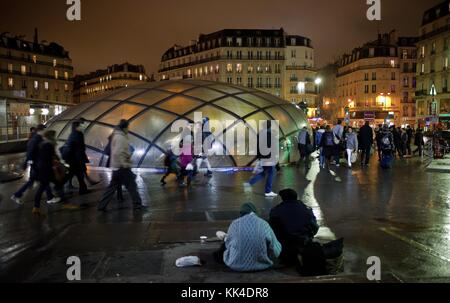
35,139
121,165
268,162
366,142
47,161
338,133
327,144
351,146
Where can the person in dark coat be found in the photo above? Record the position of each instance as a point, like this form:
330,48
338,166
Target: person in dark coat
327,145
36,137
365,143
378,138
397,141
418,141
294,225
45,161
76,157
410,133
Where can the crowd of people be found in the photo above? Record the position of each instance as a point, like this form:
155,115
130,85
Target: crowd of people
389,142
54,170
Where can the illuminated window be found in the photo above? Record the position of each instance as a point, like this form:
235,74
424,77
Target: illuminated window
23,69
392,63
405,54
141,78
56,74
46,85
36,85
239,68
10,68
66,87
217,68
239,41
250,69
66,75
229,68
10,82
301,87
446,63
54,63
422,51
206,70
34,59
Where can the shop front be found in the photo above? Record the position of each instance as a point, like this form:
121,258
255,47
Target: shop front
18,115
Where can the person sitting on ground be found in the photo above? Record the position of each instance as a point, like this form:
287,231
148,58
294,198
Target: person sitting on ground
294,225
250,245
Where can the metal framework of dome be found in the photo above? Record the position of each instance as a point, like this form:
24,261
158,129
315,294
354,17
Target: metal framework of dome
152,107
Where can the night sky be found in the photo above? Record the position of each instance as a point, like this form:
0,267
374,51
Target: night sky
139,31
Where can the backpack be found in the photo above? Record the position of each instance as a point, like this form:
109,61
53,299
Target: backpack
329,140
386,142
65,152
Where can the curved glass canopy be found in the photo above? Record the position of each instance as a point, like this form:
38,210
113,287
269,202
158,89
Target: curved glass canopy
152,108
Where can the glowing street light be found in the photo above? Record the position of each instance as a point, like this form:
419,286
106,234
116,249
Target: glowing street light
318,81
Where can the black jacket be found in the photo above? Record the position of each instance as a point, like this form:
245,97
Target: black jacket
33,148
293,222
47,155
366,136
77,149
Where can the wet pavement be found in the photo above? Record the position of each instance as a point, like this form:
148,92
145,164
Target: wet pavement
400,215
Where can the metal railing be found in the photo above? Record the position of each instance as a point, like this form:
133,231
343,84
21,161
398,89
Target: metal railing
12,134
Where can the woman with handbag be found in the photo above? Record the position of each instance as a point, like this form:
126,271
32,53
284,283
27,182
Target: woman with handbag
49,171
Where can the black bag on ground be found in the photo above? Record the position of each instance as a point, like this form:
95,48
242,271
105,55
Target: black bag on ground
315,258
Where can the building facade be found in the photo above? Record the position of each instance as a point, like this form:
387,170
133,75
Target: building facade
376,82
92,85
329,108
269,60
36,83
433,95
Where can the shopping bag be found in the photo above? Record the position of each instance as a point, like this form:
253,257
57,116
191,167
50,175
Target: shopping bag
258,168
354,157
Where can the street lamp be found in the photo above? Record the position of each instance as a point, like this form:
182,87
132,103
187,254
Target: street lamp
318,81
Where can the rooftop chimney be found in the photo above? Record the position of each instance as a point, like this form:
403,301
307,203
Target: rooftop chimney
36,38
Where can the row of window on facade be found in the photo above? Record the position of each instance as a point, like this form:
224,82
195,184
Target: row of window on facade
433,66
433,49
357,55
251,55
238,41
260,82
24,70
96,89
110,78
32,58
12,84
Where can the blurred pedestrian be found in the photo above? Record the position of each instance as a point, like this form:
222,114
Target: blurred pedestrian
121,165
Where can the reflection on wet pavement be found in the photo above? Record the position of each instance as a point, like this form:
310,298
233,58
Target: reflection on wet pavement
400,215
